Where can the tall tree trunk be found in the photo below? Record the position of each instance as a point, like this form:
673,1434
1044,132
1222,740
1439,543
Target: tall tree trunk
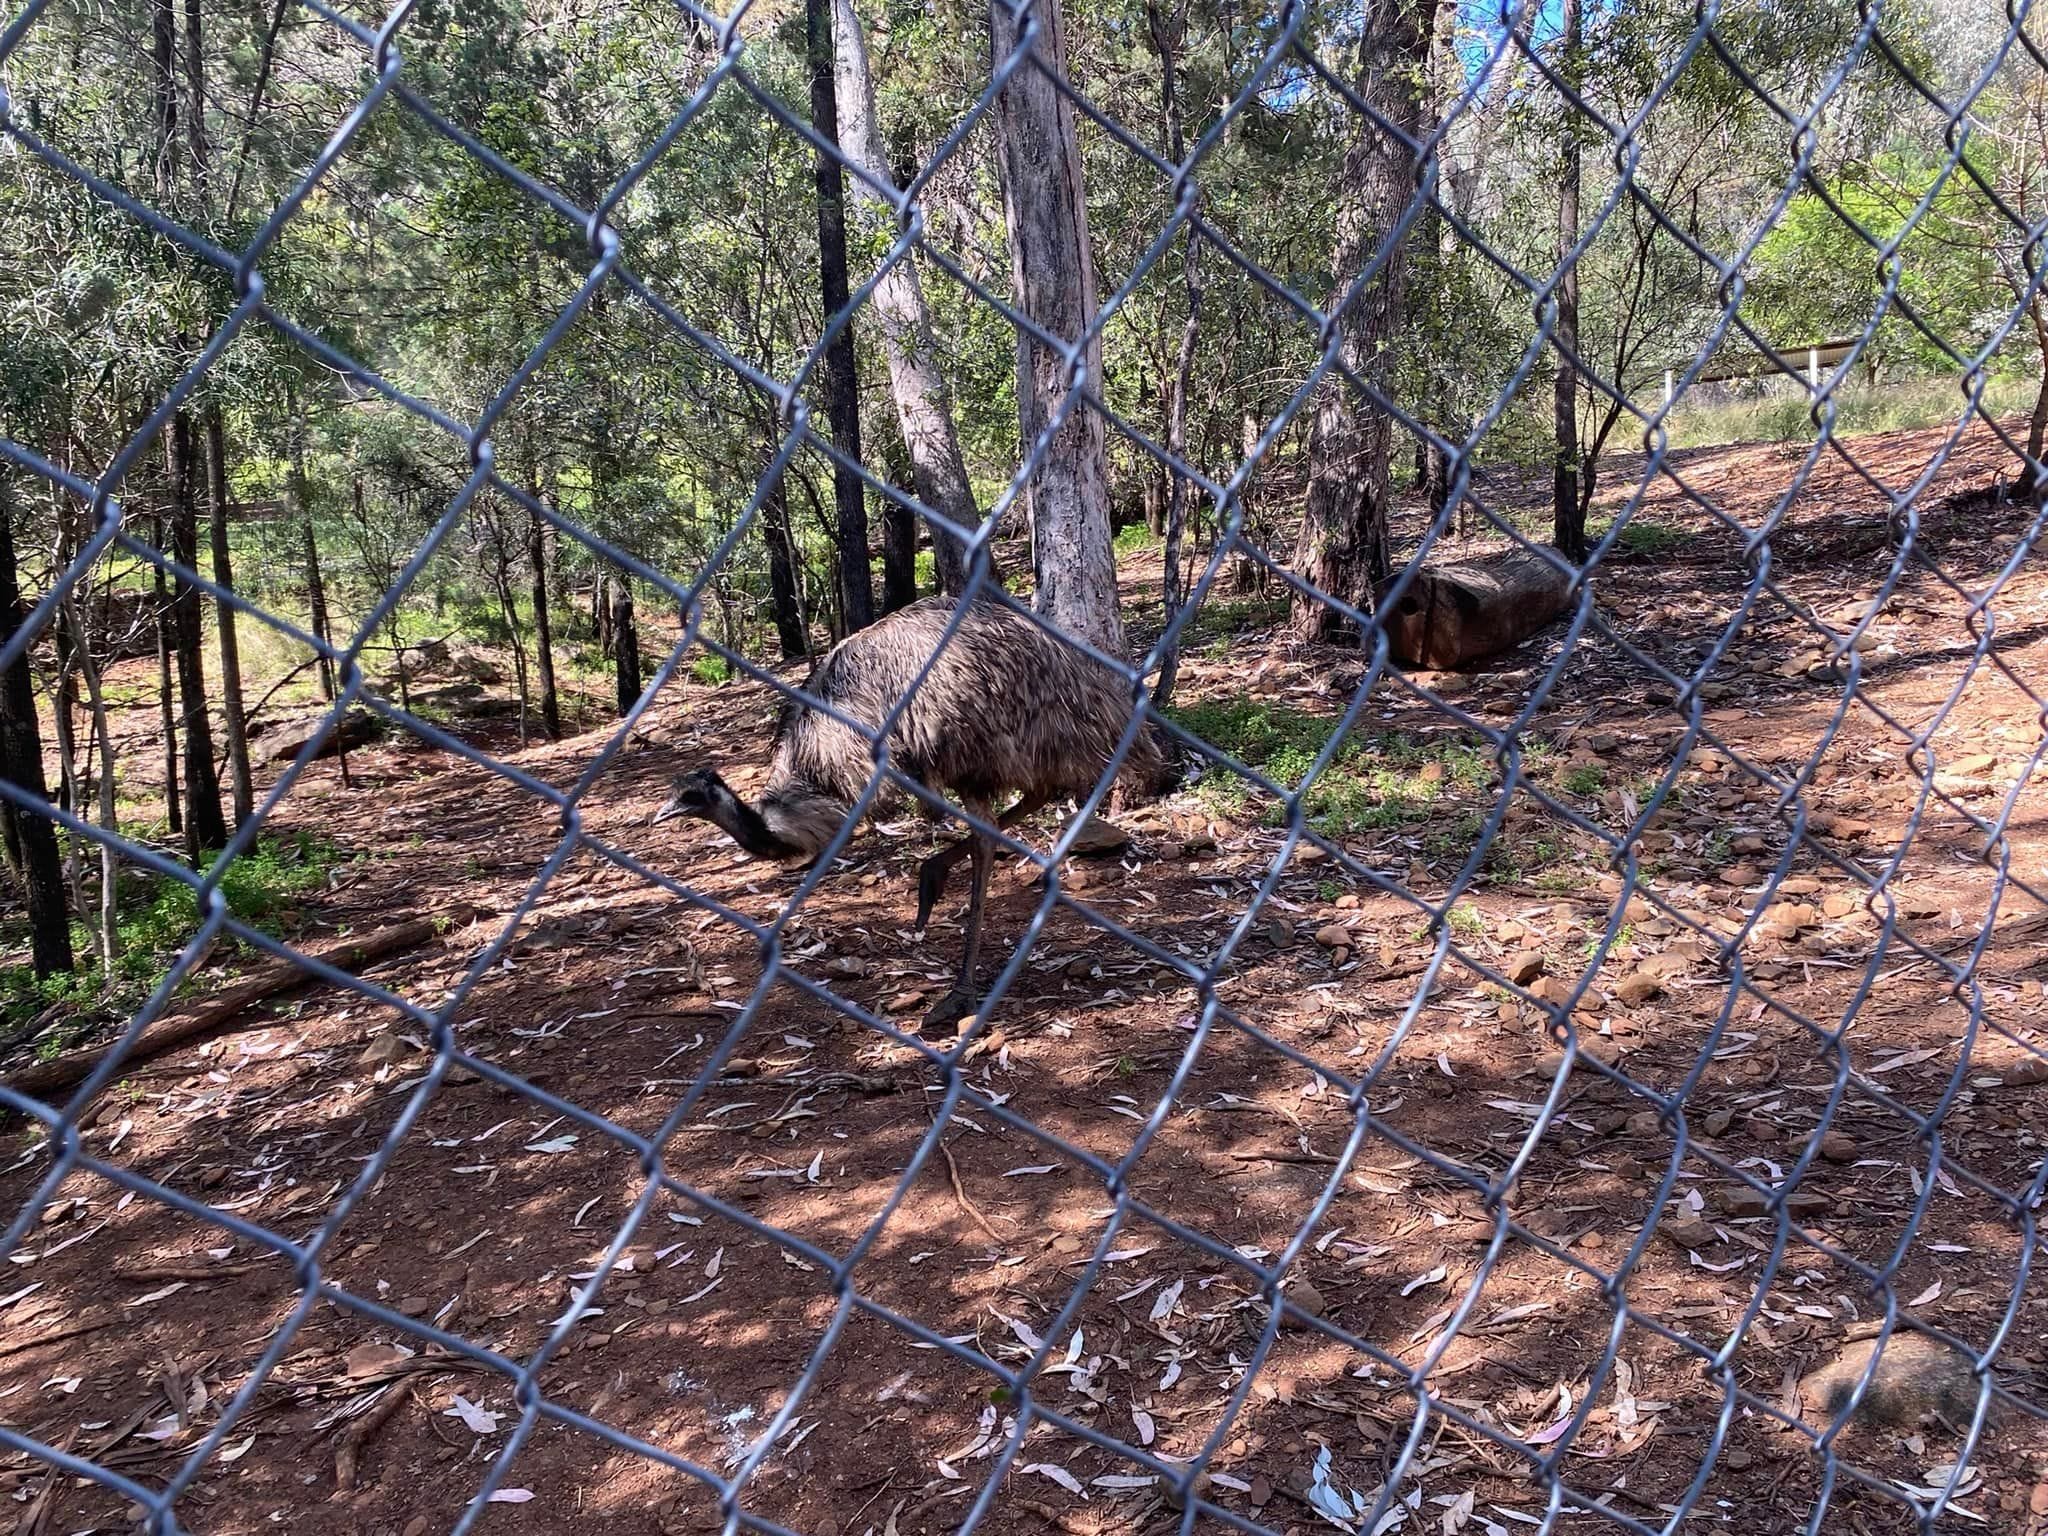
224,615
205,829
110,820
167,709
1568,516
842,392
21,762
625,644
163,61
316,588
784,601
924,399
543,629
195,105
508,610
1052,280
1342,546
899,556
1436,239
1166,40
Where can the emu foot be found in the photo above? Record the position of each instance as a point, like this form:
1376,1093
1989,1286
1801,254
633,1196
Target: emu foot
948,1011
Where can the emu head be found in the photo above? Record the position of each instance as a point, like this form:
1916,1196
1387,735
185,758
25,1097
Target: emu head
697,793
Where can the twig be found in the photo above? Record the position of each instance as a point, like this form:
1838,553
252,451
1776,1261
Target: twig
76,1330
1316,1159
349,1452
959,1192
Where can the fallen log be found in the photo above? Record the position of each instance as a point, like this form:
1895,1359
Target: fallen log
1458,615
352,954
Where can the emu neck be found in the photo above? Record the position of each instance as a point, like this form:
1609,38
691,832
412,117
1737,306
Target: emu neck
746,826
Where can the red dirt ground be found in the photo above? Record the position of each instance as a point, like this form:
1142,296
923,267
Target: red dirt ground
143,1322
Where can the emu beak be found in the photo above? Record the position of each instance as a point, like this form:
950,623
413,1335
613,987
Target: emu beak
668,812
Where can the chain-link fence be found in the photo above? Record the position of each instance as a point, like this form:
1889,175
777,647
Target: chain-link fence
1712,1231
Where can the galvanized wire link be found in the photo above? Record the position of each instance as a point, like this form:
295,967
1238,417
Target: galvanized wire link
1514,50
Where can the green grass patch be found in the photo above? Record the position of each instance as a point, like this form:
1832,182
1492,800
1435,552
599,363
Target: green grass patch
1373,782
158,918
1134,538
712,671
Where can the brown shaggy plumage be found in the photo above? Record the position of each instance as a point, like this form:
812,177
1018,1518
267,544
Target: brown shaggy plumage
1005,709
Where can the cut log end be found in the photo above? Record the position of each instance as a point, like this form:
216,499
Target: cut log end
1459,616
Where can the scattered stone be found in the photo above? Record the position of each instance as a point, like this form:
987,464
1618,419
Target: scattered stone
1841,904
902,1002
1838,1147
1687,1232
1717,1122
1736,1460
1525,967
1304,1298
1642,1123
1917,1380
1335,936
1798,885
847,965
1829,824
1637,988
383,1048
1280,933
1099,839
416,1526
2025,1072
1757,1127
1791,914
415,1306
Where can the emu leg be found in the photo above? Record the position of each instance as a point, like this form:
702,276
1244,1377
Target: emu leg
933,872
965,996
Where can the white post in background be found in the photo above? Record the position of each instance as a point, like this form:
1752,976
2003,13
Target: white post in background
1667,389
1813,368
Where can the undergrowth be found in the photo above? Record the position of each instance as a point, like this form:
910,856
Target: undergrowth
155,920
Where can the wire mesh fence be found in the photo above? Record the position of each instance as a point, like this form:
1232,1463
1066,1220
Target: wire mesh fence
1044,1401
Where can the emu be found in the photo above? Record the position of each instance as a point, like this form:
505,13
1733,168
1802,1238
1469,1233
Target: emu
1006,708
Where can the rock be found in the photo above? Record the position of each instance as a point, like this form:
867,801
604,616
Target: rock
1841,904
1838,1147
1099,839
289,738
416,1526
1280,933
1687,1232
1717,1122
367,1360
1798,885
1791,914
1642,1123
846,965
1828,824
1918,1380
1637,988
1760,1129
2025,1072
415,1306
1335,936
903,1002
381,1049
1524,968
1603,742
1304,1298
